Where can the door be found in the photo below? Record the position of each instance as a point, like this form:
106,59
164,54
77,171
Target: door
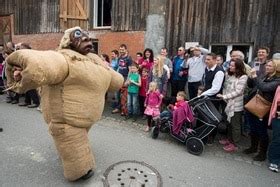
5,29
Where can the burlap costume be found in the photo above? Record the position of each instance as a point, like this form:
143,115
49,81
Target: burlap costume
73,96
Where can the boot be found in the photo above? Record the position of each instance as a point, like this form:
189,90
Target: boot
261,156
254,145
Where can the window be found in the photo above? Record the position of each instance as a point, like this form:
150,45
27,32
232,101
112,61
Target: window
102,13
224,50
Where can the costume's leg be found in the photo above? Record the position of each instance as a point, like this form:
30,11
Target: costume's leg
74,149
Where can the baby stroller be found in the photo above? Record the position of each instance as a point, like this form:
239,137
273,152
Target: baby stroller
193,135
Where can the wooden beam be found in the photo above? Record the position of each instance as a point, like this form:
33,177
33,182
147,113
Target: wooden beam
72,17
81,9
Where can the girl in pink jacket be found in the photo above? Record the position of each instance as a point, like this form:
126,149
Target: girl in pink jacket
152,104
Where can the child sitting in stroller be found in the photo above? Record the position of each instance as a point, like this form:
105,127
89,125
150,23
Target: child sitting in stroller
179,113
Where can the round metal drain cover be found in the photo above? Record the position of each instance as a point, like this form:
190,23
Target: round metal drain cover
132,174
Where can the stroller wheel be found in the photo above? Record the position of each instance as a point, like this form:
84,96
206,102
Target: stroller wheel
194,145
155,132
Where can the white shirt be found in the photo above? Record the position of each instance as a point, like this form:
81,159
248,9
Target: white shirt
216,83
196,66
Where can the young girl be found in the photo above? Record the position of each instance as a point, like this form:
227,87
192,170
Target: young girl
152,104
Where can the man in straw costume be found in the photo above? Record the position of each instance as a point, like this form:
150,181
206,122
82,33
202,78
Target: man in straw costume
74,82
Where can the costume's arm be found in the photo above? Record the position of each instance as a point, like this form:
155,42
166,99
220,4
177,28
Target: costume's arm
117,79
38,68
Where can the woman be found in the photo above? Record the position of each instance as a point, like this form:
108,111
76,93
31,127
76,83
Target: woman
233,93
159,74
274,117
147,61
266,87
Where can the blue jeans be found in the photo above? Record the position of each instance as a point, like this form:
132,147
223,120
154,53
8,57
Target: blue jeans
274,148
132,103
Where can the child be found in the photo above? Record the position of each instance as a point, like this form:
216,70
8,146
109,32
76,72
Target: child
152,104
133,82
180,112
143,90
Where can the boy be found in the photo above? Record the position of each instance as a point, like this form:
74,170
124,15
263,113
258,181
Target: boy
133,82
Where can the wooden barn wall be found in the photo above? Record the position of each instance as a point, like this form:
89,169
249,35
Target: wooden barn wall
129,15
223,21
6,6
33,16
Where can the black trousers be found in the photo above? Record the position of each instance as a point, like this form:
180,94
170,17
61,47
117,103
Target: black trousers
193,88
32,95
176,86
141,104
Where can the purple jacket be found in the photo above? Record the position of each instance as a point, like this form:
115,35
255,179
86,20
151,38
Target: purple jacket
181,114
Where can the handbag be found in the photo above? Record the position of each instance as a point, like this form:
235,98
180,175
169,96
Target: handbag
258,106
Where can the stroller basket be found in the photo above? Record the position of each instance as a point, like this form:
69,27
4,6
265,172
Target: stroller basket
205,110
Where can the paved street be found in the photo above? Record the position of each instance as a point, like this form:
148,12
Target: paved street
28,156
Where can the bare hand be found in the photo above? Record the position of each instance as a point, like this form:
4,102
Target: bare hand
17,75
253,73
220,95
181,73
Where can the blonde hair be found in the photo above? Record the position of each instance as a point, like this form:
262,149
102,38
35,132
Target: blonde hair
152,86
277,64
158,69
182,94
275,67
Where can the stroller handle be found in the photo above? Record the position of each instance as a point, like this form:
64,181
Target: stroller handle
202,98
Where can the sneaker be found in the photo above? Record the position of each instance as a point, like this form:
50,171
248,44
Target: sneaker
134,118
210,141
224,142
115,111
127,117
39,109
23,104
230,148
33,106
14,102
274,167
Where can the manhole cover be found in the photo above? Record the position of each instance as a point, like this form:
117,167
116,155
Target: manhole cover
132,174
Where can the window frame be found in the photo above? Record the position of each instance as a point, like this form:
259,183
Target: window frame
95,16
230,47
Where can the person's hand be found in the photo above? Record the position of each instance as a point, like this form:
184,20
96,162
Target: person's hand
199,92
253,73
219,95
181,73
17,75
161,96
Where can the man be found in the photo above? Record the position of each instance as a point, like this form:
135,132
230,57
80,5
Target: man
12,97
179,73
236,54
167,61
213,78
124,62
220,60
196,70
261,60
213,84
